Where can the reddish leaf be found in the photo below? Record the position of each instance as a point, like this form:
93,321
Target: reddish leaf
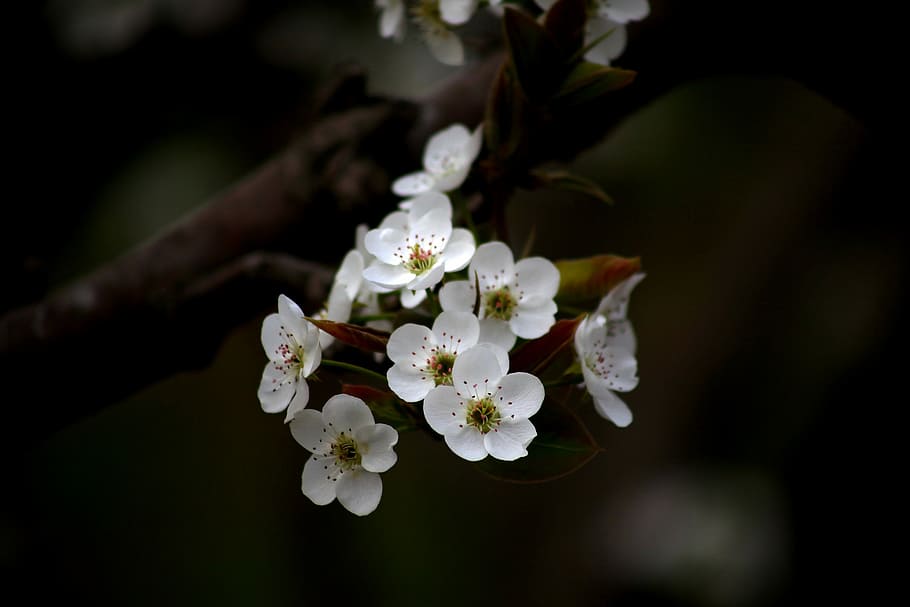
565,21
364,338
589,82
586,281
533,53
538,355
562,446
558,178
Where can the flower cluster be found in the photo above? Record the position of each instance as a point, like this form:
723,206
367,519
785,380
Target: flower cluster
605,33
452,318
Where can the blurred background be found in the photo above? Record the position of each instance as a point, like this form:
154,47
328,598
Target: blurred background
758,469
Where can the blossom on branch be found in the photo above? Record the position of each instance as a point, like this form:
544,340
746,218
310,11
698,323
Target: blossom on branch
447,160
349,451
486,409
516,299
292,345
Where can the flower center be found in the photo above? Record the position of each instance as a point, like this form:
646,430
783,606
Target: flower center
345,451
440,365
419,260
292,354
499,304
483,414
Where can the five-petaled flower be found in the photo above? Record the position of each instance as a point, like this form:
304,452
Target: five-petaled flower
605,344
292,345
414,249
447,160
516,299
349,451
486,409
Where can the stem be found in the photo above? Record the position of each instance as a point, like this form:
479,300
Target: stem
356,368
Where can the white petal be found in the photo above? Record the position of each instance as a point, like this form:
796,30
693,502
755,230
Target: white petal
359,491
308,429
618,372
374,443
360,234
434,227
385,244
476,371
614,306
392,21
396,220
339,304
428,279
457,331
504,447
445,46
613,408
621,335
497,332
467,443
457,12
443,410
460,250
457,295
287,308
299,402
427,203
317,483
350,274
454,177
610,47
412,299
537,277
312,352
443,144
623,11
408,383
276,388
531,323
273,336
520,396
493,264
521,431
410,343
413,183
292,318
346,413
385,275
502,356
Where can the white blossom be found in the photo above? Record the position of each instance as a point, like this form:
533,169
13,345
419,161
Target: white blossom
516,299
292,345
392,19
414,249
486,409
443,43
605,345
349,451
424,357
447,160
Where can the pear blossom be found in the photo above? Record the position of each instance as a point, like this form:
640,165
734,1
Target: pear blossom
415,248
447,160
608,17
392,20
292,345
516,299
434,17
486,409
424,357
605,345
349,451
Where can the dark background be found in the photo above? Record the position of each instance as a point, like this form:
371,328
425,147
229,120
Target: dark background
760,468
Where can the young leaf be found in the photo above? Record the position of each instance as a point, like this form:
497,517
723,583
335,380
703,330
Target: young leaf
589,82
565,180
364,338
537,355
562,446
565,22
386,407
533,52
583,282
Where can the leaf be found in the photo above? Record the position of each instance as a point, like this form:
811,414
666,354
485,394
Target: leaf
386,407
562,446
364,338
533,53
565,180
538,355
588,82
565,22
583,282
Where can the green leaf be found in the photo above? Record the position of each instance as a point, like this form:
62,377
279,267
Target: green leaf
386,407
564,180
565,22
533,53
589,82
541,355
562,446
364,338
583,282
